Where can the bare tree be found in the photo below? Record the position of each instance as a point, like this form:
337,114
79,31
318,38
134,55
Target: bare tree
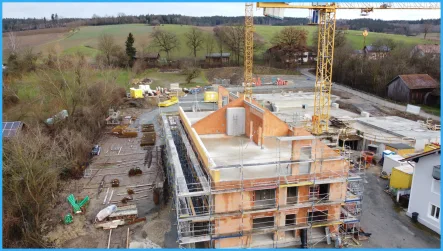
165,41
209,43
13,43
220,37
142,47
233,37
406,29
426,28
339,39
106,44
121,17
194,40
31,165
292,42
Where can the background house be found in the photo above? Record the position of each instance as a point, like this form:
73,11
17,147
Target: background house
423,50
425,190
411,88
277,57
151,59
376,52
433,98
217,59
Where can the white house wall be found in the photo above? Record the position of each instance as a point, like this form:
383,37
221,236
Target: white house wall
422,194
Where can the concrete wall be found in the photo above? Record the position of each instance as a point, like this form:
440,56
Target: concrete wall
215,123
203,154
421,192
235,121
391,161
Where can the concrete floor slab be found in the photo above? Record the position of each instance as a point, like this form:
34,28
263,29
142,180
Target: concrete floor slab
297,114
230,150
399,126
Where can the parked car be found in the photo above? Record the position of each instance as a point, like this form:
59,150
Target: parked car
96,150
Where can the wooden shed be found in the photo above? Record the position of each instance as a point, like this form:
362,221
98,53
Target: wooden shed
150,58
411,88
217,59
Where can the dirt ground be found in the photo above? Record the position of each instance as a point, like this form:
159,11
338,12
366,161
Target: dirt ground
35,40
117,156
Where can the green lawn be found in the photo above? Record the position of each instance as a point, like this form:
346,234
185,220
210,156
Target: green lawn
431,109
91,52
86,38
355,38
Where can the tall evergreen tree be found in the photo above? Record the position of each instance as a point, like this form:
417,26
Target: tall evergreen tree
130,49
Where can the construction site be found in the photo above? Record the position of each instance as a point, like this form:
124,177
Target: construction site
261,185
266,161
248,176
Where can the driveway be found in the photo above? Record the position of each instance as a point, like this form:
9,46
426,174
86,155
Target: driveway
389,225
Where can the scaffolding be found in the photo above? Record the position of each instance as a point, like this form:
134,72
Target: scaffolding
259,214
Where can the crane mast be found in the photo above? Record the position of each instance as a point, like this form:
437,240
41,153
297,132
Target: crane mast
323,79
249,49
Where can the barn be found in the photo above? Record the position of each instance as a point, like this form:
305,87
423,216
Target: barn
217,59
150,58
412,88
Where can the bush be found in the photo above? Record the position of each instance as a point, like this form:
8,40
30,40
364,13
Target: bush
191,73
139,67
34,162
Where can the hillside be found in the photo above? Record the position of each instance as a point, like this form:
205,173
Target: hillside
85,39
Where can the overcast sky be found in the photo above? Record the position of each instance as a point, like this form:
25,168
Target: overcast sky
86,10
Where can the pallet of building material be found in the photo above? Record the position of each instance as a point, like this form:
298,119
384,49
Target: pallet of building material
148,139
110,224
148,128
137,220
118,129
128,133
124,213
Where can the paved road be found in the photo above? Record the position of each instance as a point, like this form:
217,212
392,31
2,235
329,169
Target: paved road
389,225
370,98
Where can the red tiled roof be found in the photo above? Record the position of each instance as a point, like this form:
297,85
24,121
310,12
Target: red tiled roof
428,48
419,81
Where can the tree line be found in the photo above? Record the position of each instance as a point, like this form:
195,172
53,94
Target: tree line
396,27
20,24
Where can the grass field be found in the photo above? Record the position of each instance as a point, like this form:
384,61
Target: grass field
355,38
86,39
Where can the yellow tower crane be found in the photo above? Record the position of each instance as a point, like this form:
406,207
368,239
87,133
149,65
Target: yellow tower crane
249,49
324,16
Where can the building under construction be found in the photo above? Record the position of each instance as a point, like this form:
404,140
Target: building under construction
242,178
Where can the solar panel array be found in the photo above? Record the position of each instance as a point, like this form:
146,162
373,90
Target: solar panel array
10,128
